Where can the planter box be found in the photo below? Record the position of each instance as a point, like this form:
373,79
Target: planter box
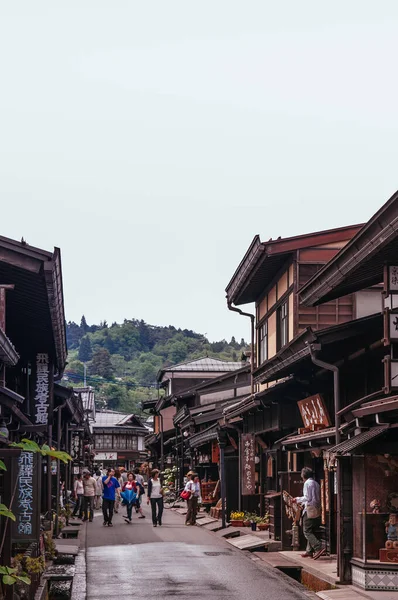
237,523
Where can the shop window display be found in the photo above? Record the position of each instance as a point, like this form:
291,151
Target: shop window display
375,508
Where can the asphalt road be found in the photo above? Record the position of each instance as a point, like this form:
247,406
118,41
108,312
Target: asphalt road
174,561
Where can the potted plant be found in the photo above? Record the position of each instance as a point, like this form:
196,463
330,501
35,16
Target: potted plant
236,518
247,519
263,524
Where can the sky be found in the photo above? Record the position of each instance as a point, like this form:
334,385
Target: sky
151,141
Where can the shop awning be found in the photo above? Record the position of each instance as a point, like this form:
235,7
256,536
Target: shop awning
377,406
308,438
203,437
347,447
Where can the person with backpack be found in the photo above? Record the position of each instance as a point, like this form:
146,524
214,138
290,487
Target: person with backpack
130,495
155,497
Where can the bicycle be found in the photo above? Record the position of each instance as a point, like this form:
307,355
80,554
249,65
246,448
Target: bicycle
172,498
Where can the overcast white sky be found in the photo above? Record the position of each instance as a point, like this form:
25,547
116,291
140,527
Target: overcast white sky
151,140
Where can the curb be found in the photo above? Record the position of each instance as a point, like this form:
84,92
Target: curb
79,585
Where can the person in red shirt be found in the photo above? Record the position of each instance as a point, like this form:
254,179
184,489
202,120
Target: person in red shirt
130,484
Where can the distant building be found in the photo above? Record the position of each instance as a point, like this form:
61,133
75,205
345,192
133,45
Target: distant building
118,439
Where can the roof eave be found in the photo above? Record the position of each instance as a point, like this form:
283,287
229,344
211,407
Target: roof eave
374,235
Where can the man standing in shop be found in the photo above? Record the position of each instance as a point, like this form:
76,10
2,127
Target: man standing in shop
311,501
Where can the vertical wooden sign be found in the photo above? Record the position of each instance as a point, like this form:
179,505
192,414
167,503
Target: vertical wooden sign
248,464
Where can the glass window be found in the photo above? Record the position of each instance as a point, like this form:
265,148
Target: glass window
132,442
263,342
283,328
120,441
99,441
108,440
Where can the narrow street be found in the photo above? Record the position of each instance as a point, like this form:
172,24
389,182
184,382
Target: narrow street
173,561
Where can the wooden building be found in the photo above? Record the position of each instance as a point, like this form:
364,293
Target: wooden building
32,359
366,454
174,381
271,275
118,440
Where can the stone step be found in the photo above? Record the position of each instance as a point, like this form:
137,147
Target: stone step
344,593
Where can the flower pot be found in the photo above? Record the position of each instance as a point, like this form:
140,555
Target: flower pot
237,523
263,526
246,523
254,526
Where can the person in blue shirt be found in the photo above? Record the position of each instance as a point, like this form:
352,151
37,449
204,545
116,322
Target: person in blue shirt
111,488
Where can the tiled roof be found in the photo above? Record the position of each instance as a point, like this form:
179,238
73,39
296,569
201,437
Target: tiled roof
206,364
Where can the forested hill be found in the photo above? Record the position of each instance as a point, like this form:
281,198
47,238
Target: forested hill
123,359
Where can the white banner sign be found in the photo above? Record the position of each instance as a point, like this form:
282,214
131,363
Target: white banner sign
106,456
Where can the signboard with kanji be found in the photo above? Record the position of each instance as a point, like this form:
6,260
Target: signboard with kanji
391,279
26,507
248,452
43,392
313,411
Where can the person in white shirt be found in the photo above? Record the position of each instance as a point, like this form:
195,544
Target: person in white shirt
155,497
193,487
78,492
311,501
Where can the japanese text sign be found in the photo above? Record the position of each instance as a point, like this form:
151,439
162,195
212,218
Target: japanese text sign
313,411
43,390
248,455
27,508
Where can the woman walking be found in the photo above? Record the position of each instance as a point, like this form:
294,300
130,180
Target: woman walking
130,499
193,487
155,497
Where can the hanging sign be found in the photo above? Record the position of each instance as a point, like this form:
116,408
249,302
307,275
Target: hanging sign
43,390
314,412
248,464
27,508
391,280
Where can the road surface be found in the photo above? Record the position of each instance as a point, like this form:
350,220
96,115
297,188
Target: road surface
174,561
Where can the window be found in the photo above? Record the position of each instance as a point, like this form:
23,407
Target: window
132,442
120,442
99,441
263,342
283,330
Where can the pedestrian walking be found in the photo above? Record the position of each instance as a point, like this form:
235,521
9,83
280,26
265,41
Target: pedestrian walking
311,519
119,477
78,493
193,488
111,487
90,488
99,489
130,494
155,497
124,474
140,484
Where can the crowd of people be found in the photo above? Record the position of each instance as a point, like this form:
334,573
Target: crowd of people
109,491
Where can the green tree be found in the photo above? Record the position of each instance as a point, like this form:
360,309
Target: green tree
101,364
85,349
83,325
146,373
